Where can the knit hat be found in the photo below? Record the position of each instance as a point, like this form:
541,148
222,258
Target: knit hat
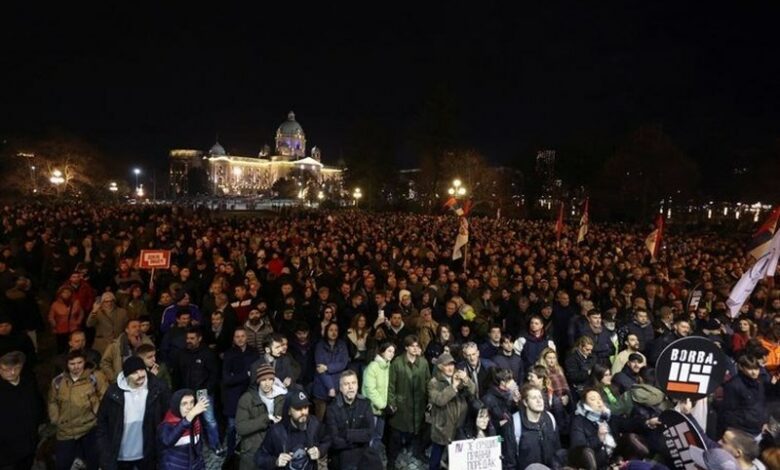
264,371
132,364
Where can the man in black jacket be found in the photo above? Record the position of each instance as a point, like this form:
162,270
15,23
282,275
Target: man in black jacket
128,417
297,440
744,399
197,369
532,435
350,423
21,412
630,375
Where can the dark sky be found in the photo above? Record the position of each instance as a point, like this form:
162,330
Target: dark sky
139,80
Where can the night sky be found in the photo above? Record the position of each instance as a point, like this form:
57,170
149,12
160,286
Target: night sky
139,80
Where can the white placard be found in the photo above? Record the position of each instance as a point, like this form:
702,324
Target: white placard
475,454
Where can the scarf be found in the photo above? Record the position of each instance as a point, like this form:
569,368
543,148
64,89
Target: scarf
191,435
595,417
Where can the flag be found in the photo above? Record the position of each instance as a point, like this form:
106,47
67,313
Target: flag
762,238
765,266
461,209
653,241
559,224
461,240
583,224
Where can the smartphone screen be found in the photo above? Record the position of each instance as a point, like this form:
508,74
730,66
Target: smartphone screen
202,394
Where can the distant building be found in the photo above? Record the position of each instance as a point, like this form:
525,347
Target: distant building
233,175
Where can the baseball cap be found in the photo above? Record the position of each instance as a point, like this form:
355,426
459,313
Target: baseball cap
713,459
298,399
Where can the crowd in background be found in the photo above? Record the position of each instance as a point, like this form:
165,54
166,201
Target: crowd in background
348,339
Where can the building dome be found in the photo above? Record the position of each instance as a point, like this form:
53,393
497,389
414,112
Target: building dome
217,150
290,138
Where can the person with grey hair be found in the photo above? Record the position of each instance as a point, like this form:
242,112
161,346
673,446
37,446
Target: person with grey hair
22,412
449,392
477,368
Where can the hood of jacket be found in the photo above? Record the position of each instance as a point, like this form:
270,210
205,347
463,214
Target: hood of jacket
121,382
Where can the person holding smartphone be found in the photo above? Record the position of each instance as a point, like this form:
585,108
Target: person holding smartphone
180,434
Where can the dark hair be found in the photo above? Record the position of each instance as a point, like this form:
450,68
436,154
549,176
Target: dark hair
501,375
301,326
583,458
747,362
597,374
410,340
13,358
145,348
183,311
195,330
593,311
75,354
383,347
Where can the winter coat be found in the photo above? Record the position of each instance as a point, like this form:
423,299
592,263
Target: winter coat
536,443
236,374
513,363
483,374
258,336
350,427
253,421
624,379
578,369
73,405
336,358
375,381
284,438
111,420
197,369
744,405
108,326
116,353
530,348
586,433
449,407
21,412
65,317
180,441
407,393
499,404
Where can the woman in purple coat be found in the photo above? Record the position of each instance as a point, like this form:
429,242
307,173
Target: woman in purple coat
331,358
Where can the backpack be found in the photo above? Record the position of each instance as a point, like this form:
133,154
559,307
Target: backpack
518,425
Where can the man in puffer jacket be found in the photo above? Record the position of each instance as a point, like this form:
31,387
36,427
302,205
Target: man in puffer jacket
180,434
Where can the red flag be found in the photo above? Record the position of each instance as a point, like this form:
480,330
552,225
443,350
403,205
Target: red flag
653,241
583,224
760,242
559,224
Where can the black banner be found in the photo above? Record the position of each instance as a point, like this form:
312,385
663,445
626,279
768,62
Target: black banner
691,367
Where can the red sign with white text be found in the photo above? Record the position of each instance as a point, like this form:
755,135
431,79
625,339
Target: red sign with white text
155,259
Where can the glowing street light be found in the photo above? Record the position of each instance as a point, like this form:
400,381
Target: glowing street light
457,189
56,177
357,194
137,172
113,187
140,191
320,195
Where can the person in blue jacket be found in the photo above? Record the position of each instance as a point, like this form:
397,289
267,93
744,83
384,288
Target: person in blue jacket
331,358
180,435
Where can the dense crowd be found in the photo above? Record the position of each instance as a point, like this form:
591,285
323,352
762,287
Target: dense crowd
348,339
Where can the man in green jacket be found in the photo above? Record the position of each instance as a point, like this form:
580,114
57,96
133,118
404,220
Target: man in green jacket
407,398
449,391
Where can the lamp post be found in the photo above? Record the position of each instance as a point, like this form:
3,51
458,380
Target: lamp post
357,194
457,189
57,179
137,172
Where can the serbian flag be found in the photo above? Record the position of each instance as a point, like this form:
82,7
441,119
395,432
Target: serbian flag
461,240
762,238
559,224
653,241
583,224
461,209
765,266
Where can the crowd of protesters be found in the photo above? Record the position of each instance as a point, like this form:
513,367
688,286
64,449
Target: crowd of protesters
348,339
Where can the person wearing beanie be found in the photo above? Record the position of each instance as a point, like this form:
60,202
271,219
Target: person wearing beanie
128,417
258,408
180,436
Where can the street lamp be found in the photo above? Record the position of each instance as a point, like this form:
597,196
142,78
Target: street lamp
137,172
357,195
140,191
457,189
113,187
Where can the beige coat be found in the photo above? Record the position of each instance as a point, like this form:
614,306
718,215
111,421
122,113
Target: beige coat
108,326
73,405
116,353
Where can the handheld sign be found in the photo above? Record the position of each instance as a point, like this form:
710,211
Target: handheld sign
680,435
475,454
690,367
155,259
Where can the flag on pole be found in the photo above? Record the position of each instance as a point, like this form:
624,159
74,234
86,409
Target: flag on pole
762,238
653,241
765,266
583,224
461,240
559,225
461,209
